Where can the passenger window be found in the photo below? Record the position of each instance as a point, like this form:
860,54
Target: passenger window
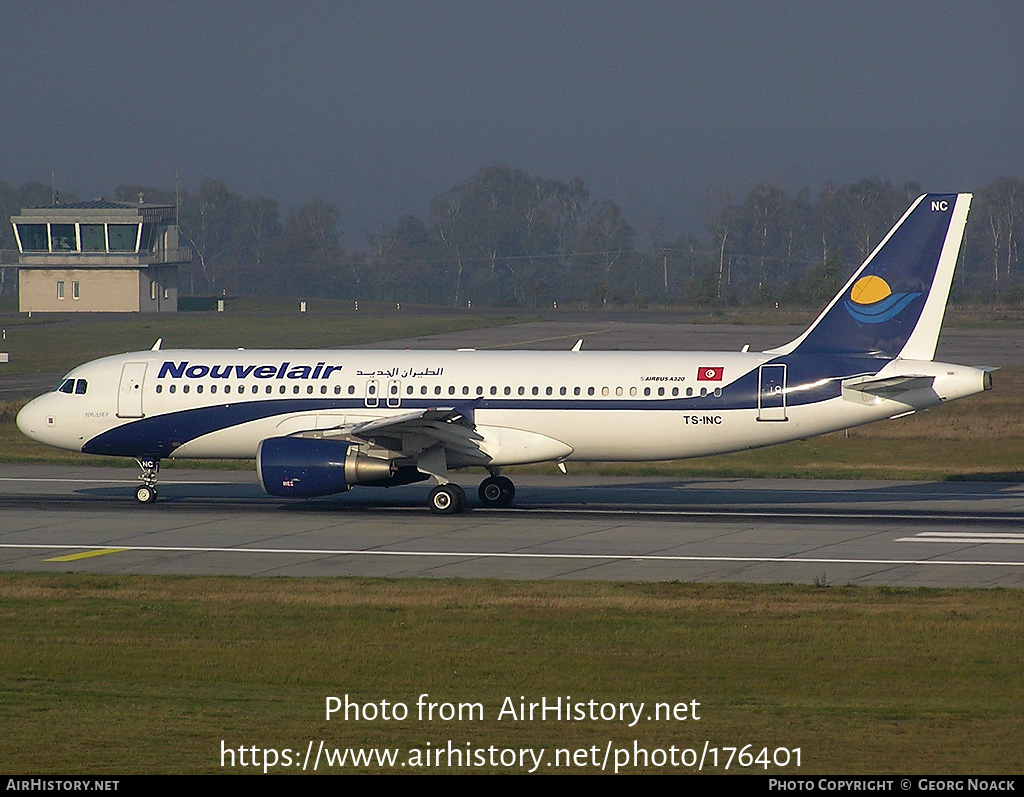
423,390
227,388
337,390
159,388
575,391
270,389
703,392
562,391
494,390
451,390
661,391
718,392
689,391
172,388
184,388
283,389
437,390
522,390
590,391
604,391
351,390
647,391
295,390
408,390
199,388
213,388
675,391
309,389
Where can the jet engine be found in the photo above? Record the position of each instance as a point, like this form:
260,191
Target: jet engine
300,467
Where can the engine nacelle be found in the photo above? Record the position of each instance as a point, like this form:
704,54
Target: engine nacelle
300,467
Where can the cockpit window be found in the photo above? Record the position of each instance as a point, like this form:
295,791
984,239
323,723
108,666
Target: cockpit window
78,386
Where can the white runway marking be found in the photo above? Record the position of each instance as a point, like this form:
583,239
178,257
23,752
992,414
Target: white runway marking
968,537
770,513
493,555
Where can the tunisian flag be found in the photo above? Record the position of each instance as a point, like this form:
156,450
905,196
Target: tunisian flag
710,374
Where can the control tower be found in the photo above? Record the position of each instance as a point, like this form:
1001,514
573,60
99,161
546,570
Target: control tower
98,256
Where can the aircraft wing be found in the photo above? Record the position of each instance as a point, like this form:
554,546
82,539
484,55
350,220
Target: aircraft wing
412,433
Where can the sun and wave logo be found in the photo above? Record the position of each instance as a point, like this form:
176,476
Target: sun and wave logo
872,301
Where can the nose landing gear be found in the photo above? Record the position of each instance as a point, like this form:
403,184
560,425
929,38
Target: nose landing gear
145,493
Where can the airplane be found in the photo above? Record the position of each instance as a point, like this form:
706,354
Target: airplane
319,422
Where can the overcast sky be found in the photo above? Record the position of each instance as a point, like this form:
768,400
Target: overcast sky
380,106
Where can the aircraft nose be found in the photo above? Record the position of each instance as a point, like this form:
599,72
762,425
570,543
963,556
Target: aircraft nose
29,419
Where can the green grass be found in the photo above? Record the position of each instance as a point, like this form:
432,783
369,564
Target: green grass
962,317
58,342
116,674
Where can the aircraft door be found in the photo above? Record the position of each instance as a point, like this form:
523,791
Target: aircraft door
394,392
129,393
371,398
771,395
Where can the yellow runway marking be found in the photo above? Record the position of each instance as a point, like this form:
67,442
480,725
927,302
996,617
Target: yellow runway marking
71,557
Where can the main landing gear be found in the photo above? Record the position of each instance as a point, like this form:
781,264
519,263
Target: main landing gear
145,493
450,499
447,499
496,491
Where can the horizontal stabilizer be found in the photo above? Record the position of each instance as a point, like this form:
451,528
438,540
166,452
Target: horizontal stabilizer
889,387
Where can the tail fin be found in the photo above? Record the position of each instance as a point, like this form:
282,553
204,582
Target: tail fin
893,304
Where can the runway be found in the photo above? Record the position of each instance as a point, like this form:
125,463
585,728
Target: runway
956,534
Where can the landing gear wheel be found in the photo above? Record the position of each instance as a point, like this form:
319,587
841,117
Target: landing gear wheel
145,494
447,499
496,491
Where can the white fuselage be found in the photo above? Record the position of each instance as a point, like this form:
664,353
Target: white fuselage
526,406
